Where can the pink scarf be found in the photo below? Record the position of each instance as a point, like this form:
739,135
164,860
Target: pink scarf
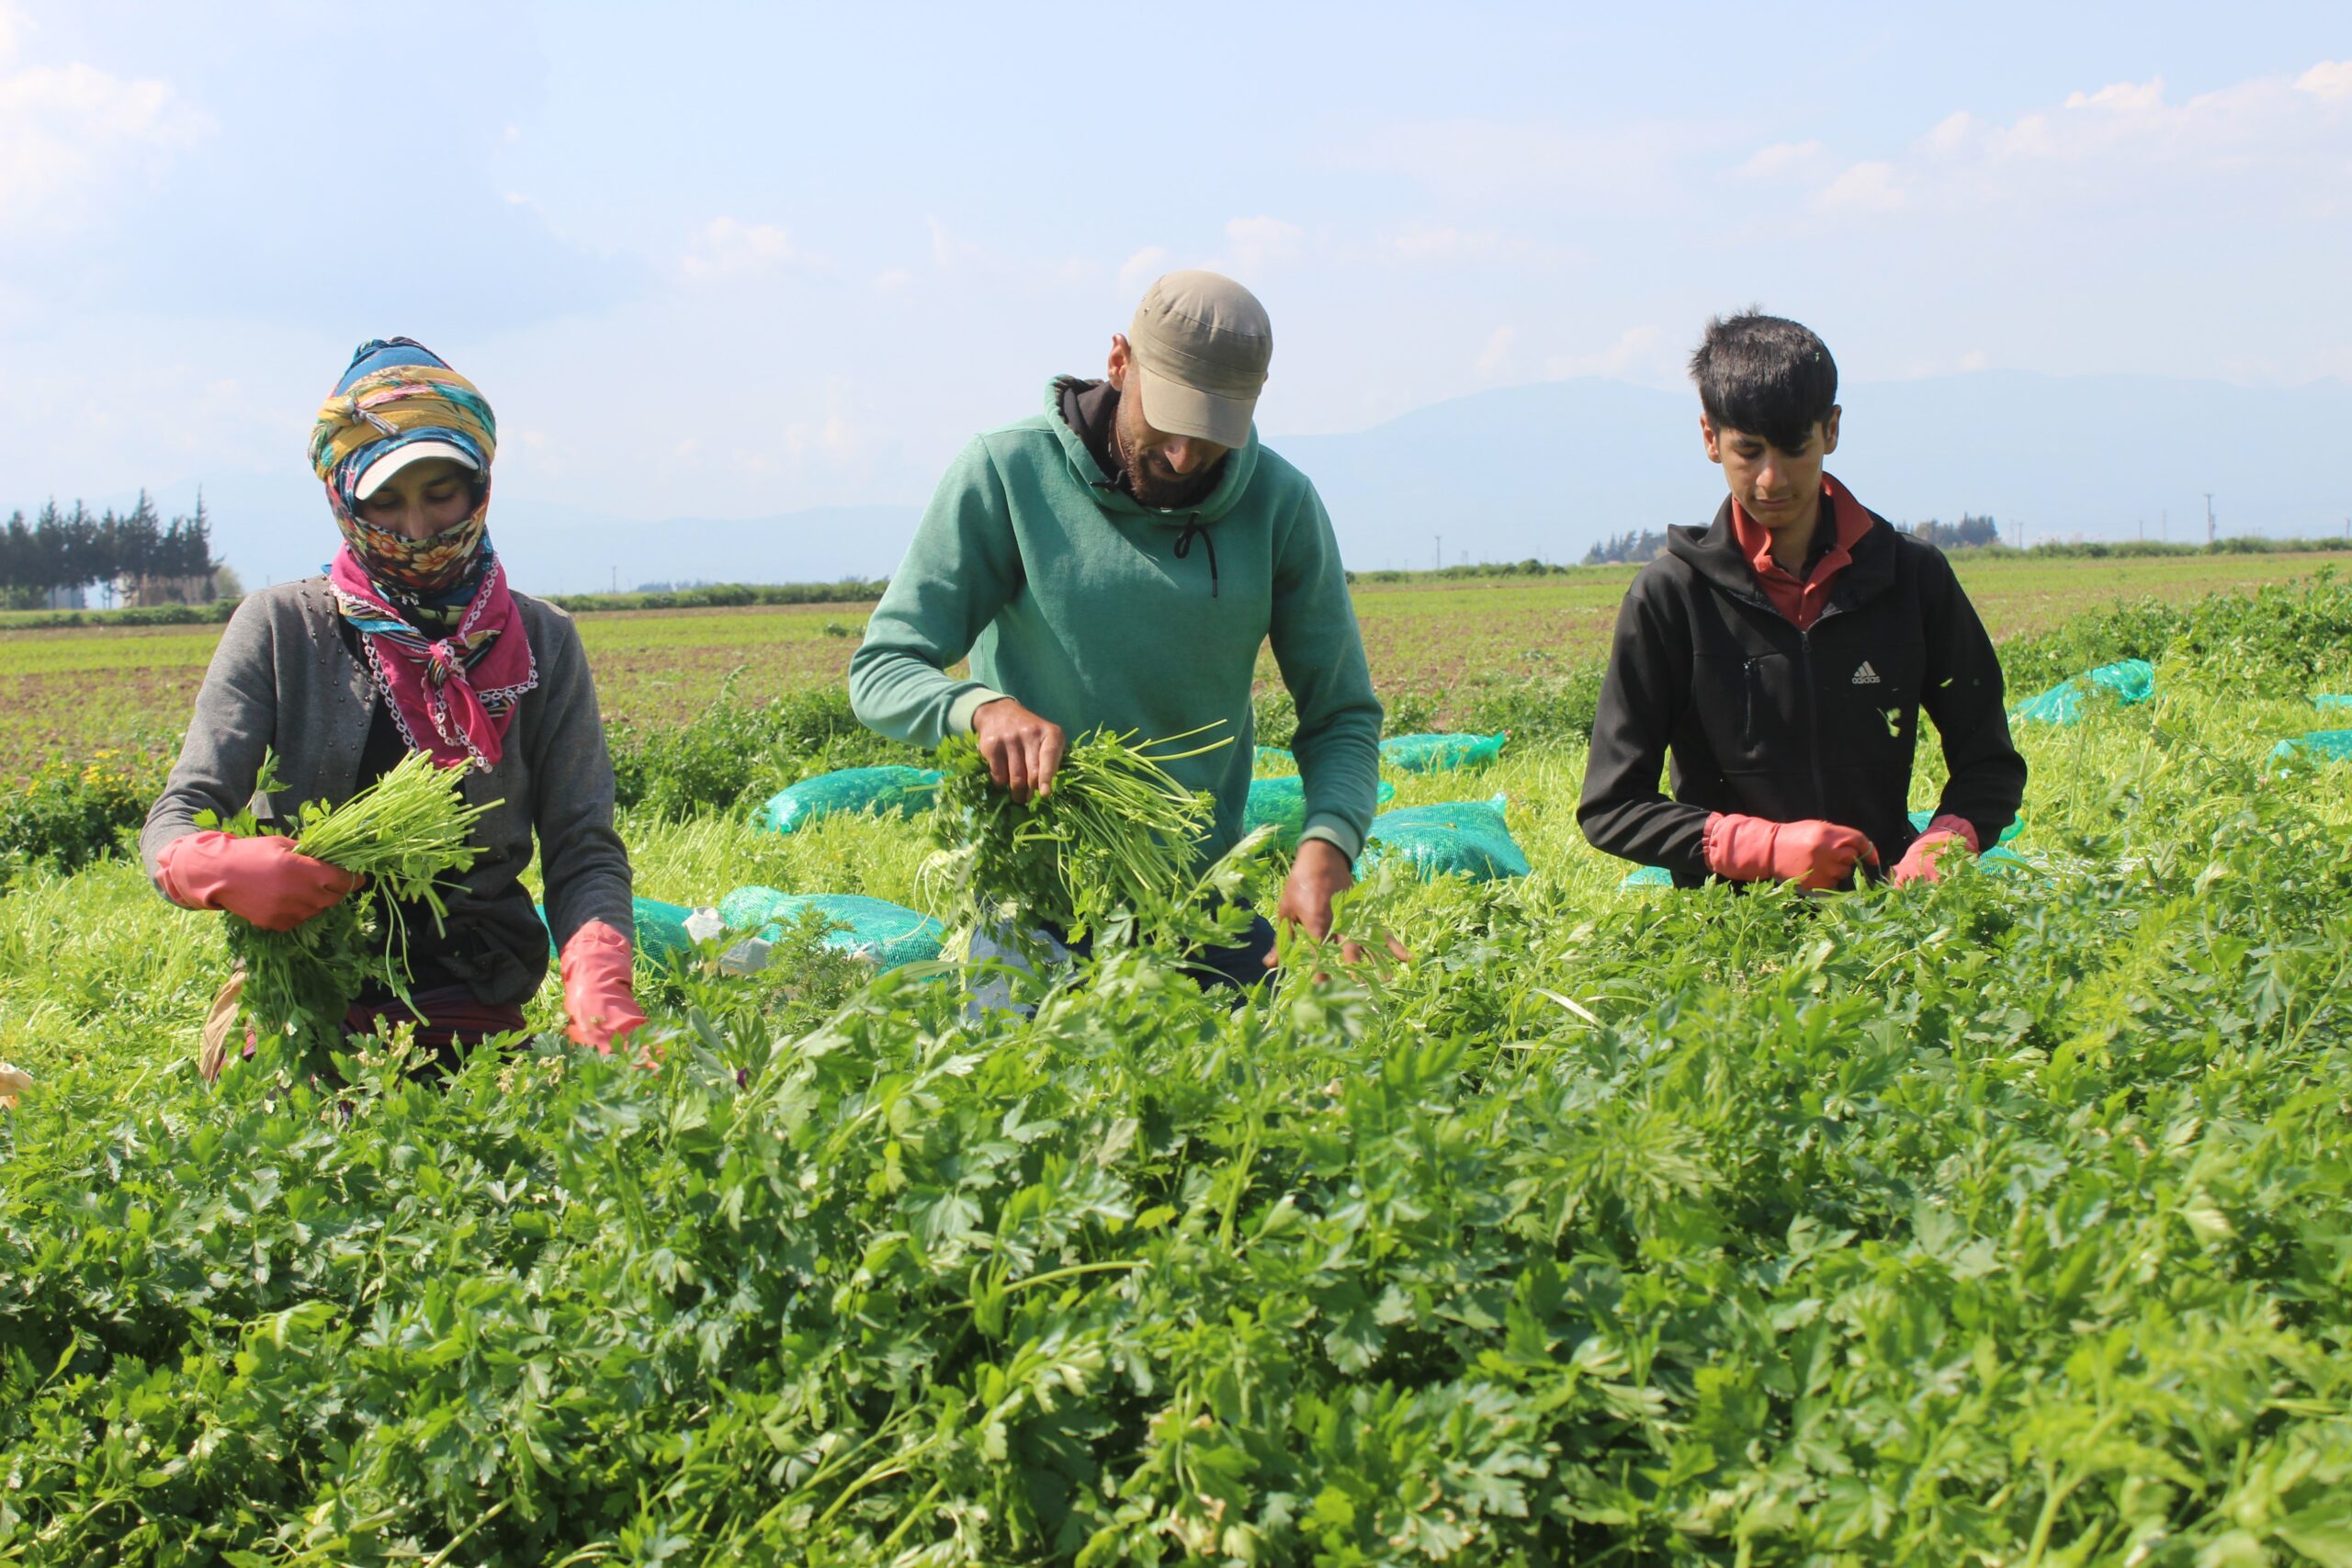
451,695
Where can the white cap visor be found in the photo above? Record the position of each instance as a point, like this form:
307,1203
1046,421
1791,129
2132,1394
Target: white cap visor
400,457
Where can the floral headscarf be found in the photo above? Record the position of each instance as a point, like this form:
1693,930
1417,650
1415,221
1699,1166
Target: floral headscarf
443,636
398,393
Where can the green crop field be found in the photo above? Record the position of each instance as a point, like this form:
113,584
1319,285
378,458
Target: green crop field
2001,1222
65,692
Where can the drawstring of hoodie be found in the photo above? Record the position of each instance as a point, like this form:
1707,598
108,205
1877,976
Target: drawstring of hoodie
1193,530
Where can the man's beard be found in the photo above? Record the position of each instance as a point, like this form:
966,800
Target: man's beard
1155,487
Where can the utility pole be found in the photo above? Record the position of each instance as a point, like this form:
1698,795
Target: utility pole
2209,519
1437,555
2163,527
617,580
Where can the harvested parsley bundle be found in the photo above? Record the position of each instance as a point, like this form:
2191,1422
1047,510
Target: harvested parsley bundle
403,835
1108,848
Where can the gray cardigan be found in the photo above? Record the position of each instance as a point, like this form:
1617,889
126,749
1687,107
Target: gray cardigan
284,678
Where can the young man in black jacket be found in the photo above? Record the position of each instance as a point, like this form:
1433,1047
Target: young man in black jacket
1780,657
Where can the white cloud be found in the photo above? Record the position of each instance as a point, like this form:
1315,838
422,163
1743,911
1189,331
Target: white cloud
952,255
810,444
1259,242
894,280
2028,136
728,248
2330,79
63,417
2275,142
1137,271
1866,188
2122,96
1952,132
1636,350
1782,158
949,253
67,131
1495,358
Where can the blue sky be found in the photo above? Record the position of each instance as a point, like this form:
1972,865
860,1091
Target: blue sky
727,261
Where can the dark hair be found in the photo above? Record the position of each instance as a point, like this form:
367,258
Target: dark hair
1765,375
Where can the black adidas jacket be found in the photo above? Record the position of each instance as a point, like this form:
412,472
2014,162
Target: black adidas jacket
1761,718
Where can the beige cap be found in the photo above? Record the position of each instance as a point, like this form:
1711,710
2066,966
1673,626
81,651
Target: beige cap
1202,344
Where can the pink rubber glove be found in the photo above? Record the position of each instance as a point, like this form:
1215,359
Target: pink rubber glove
596,995
1814,854
1918,862
264,880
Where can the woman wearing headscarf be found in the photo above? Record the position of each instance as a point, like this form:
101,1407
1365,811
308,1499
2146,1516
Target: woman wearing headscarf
412,641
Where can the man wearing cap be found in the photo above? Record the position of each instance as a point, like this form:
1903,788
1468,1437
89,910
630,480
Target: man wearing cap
1115,563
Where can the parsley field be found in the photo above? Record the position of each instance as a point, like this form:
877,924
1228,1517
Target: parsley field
2004,1222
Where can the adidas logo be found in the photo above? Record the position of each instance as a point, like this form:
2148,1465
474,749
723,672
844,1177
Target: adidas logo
1866,676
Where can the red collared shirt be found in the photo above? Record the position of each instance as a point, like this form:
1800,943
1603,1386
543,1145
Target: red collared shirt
1802,599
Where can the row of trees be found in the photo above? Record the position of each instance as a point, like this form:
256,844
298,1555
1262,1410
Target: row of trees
65,549
1969,531
1629,546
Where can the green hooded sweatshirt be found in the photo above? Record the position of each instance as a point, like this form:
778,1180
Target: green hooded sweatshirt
1098,613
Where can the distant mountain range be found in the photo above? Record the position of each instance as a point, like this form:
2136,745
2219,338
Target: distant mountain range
1545,471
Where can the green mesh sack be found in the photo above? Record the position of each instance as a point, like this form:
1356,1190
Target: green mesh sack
1281,803
1648,877
1428,753
2131,679
850,790
661,928
2318,747
2333,700
1467,838
1919,820
1273,761
874,929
